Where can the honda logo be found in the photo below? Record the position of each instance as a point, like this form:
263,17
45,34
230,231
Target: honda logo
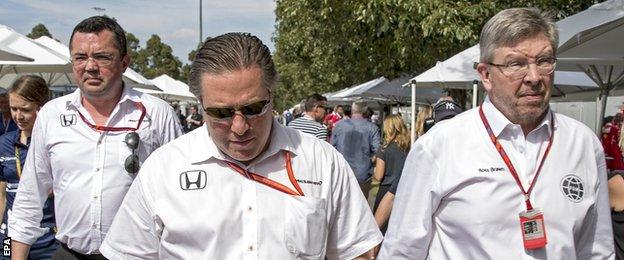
67,120
193,180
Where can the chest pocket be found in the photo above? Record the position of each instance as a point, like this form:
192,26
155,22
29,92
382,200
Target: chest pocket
145,147
305,227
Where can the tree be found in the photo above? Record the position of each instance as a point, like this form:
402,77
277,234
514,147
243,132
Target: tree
133,50
326,45
38,31
156,59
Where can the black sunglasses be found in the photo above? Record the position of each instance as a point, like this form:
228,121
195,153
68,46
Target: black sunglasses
132,162
250,110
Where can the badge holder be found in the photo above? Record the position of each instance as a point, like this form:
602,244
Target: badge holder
533,229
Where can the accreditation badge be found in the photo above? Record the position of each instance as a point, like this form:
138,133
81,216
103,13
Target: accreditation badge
533,229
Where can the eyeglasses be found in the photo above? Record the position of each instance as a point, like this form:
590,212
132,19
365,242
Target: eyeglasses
249,111
101,59
519,69
131,164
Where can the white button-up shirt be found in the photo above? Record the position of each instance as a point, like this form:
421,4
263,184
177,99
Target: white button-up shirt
457,199
84,168
188,204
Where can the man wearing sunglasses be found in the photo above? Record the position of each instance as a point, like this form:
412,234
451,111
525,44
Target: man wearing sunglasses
510,179
311,121
87,146
245,187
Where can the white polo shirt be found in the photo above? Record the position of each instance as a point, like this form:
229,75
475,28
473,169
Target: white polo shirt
187,203
457,200
83,167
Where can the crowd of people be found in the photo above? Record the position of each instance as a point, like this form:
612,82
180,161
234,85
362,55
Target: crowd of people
107,173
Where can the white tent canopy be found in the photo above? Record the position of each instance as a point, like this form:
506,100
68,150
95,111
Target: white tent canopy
43,58
7,55
172,89
599,53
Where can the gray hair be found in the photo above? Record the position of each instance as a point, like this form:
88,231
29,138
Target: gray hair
511,26
228,53
358,107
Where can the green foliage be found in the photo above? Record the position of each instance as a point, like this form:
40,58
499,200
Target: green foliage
156,59
38,31
326,45
133,49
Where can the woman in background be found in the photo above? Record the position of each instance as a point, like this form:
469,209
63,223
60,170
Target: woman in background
26,96
424,113
390,159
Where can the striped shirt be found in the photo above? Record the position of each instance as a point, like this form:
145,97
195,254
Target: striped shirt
307,125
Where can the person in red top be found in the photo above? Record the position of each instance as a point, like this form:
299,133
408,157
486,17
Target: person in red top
610,140
333,118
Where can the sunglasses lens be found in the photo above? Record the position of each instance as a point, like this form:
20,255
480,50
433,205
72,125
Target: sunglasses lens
228,112
132,140
255,108
132,164
222,112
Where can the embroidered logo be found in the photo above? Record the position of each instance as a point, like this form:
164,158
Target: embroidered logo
67,120
193,180
573,188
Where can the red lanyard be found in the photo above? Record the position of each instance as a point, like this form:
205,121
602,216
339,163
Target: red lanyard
507,161
139,105
268,182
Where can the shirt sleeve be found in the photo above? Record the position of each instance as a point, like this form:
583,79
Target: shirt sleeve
171,129
135,232
352,227
376,142
596,238
410,228
33,189
322,133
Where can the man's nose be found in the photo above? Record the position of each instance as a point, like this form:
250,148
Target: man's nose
239,124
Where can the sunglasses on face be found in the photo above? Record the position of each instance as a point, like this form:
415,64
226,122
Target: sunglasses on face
131,164
249,111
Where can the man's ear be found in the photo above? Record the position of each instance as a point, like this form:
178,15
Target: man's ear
125,61
484,74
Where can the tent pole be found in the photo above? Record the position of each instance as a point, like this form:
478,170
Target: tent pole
413,117
475,92
603,106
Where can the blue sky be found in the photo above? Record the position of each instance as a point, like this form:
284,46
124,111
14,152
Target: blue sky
176,22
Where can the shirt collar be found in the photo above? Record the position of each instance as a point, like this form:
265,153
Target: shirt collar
498,122
279,140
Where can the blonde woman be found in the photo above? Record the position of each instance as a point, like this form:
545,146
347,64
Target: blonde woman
390,159
424,113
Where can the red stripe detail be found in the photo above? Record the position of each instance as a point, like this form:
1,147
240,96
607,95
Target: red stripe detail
139,105
271,183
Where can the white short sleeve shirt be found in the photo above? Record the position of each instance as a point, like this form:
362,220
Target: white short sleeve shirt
188,204
457,200
84,168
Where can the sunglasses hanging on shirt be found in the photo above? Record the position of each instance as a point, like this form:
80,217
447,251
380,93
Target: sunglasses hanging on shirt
132,139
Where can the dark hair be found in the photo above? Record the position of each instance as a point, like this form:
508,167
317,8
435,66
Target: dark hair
313,101
96,24
32,88
228,53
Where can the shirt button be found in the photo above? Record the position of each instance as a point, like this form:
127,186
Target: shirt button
97,169
249,208
250,248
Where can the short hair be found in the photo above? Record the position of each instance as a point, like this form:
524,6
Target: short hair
32,88
193,106
313,101
358,107
510,26
96,24
228,53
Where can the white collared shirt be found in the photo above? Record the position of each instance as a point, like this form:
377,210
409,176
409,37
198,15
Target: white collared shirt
188,204
84,168
457,200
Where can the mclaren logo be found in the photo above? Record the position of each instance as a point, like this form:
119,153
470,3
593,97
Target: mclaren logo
573,188
193,180
67,120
